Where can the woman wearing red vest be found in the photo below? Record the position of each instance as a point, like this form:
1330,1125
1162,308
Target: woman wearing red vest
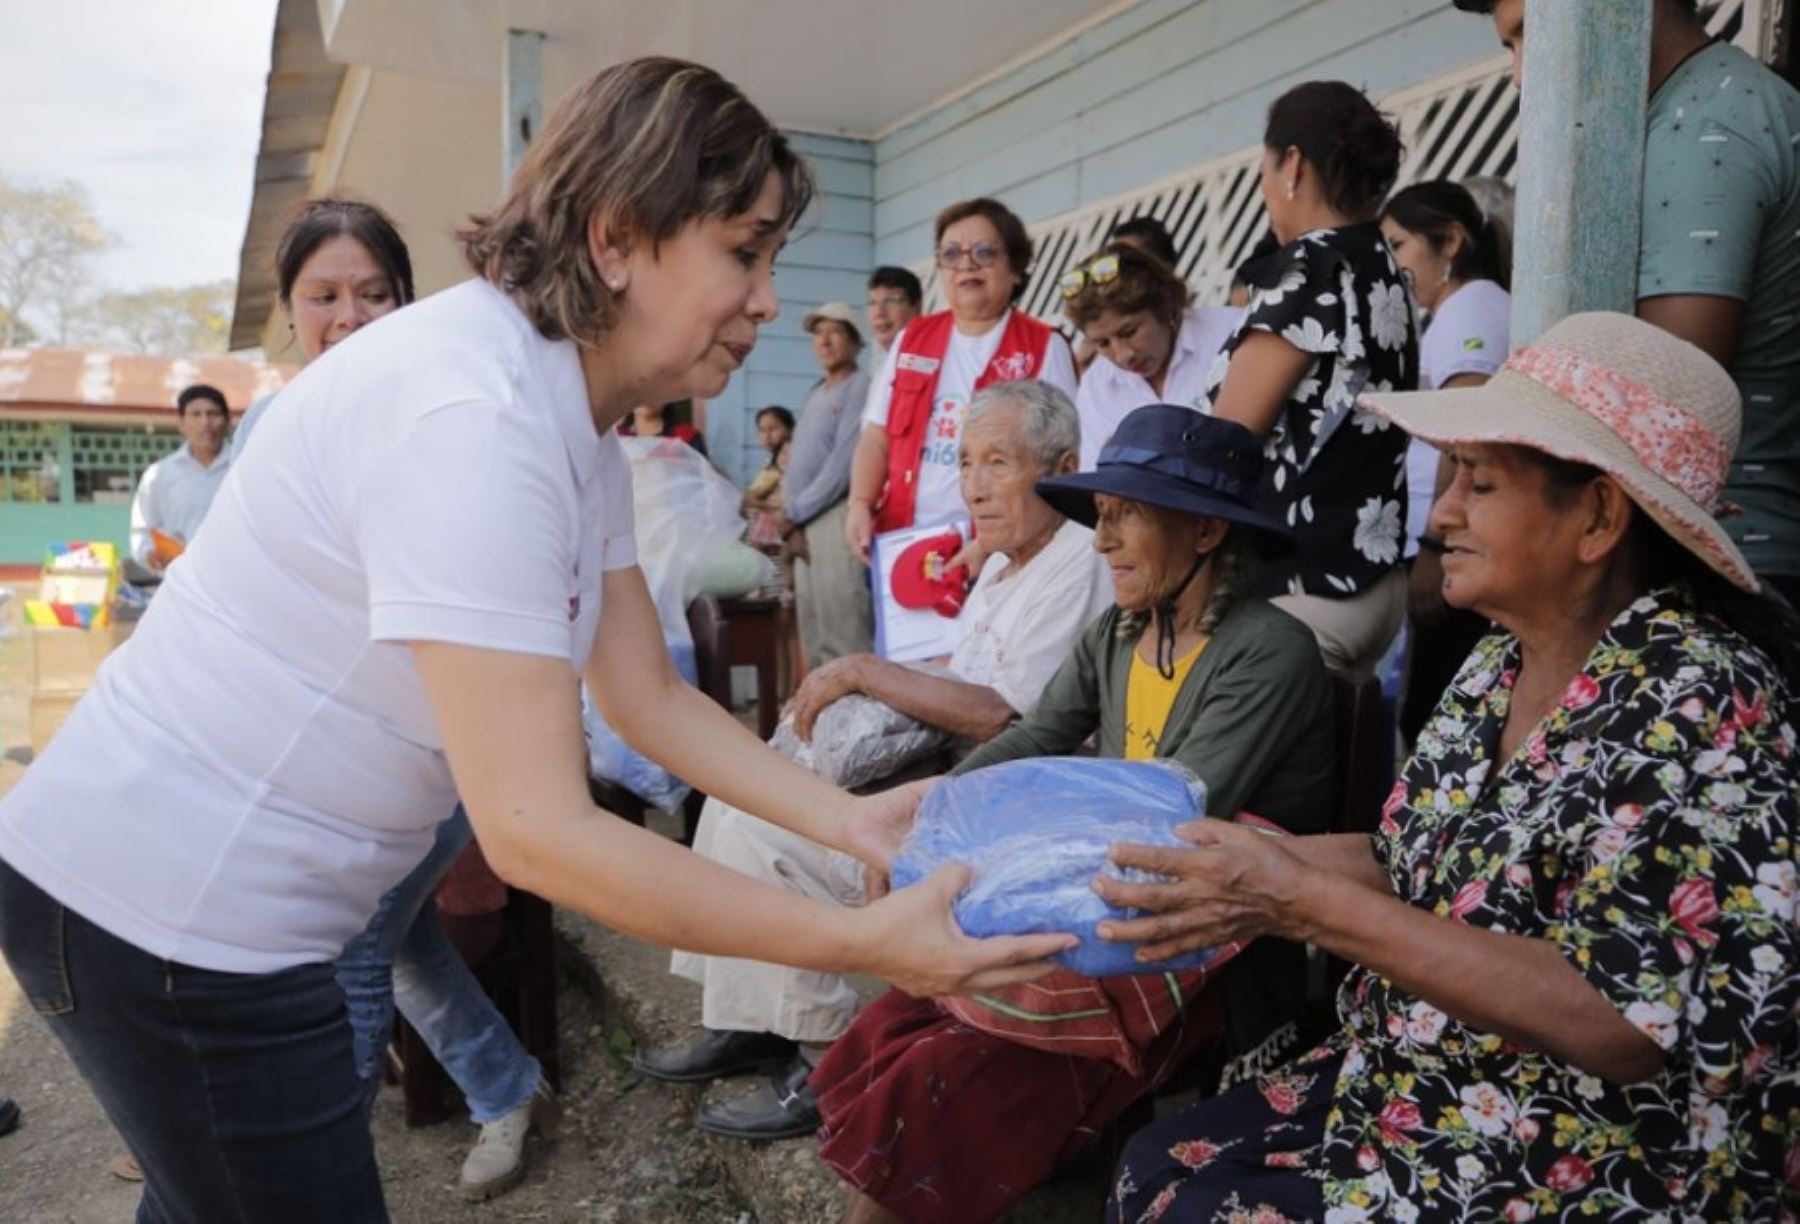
905,470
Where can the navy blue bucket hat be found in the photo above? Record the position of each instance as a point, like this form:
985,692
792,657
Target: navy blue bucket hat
1181,460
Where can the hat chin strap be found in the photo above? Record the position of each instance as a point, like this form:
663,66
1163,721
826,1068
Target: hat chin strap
1165,618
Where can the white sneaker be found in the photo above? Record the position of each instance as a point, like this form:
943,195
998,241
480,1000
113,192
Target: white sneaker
497,1161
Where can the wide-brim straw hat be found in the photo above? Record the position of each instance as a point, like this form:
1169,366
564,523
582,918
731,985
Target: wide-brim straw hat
1650,410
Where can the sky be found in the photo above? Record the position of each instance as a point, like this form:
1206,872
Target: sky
155,106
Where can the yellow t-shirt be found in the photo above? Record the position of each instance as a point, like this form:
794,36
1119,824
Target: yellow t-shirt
1148,700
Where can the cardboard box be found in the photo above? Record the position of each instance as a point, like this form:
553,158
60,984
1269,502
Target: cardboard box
48,710
65,660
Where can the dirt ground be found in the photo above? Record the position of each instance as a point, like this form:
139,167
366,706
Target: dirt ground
625,1150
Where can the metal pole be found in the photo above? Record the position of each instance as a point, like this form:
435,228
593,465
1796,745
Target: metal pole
1581,170
524,98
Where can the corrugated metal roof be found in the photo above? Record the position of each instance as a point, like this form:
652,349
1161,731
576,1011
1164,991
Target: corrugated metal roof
51,379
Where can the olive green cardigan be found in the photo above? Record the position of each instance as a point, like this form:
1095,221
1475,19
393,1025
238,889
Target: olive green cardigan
1253,717
1254,720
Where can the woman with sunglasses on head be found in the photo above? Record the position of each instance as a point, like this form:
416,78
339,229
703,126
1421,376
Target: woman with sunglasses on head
905,469
1151,344
1335,319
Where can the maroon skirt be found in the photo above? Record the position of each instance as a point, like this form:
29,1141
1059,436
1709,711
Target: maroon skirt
937,1121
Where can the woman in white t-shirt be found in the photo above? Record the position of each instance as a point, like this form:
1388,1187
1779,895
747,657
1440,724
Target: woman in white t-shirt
904,472
1152,345
393,603
1459,264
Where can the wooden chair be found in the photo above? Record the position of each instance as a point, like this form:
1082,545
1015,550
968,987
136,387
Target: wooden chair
520,976
1361,776
752,636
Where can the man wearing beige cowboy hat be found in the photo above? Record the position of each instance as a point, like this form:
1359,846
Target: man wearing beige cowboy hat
831,585
1575,960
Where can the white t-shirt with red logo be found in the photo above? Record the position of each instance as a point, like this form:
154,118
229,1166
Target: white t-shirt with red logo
260,762
965,360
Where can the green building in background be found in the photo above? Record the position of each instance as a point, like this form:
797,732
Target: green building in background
78,428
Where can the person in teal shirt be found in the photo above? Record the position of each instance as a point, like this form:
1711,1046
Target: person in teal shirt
1719,256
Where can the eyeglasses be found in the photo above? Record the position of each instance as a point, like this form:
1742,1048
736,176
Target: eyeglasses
983,254
1100,273
888,301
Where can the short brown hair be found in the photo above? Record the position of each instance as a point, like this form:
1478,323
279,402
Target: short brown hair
650,145
1144,283
1353,148
1006,222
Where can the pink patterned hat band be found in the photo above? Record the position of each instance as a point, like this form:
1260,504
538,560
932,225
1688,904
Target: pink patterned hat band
1667,438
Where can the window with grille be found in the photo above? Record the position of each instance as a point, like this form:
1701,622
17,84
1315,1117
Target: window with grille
30,470
1461,125
108,462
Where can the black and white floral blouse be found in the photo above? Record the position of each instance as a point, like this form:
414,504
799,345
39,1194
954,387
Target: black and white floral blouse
1647,828
1336,475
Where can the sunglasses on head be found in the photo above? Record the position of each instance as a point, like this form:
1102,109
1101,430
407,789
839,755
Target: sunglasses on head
1099,273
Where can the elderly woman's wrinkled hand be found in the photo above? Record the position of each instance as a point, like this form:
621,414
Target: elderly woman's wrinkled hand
838,678
913,941
1236,884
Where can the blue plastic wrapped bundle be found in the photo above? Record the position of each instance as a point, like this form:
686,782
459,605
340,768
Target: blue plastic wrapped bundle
612,758
1037,833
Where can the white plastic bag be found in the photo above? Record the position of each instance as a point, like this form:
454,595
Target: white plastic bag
687,519
857,740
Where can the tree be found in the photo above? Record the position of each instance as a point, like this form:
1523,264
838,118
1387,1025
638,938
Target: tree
47,237
172,321
22,332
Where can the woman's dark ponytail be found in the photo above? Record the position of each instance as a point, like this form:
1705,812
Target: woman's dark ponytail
1354,148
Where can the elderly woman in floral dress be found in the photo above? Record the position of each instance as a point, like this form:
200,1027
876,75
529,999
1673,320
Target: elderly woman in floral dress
1574,934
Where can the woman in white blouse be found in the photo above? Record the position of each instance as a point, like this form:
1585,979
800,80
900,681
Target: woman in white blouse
398,592
1152,345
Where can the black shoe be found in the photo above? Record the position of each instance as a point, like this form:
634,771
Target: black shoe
716,1054
9,1115
782,1108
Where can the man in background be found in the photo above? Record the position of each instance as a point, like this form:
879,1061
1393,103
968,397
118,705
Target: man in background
831,585
175,492
895,299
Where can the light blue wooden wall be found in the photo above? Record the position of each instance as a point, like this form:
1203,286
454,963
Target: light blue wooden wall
1157,89
828,259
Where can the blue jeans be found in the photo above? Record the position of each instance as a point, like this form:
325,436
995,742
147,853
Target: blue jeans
236,1092
403,957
